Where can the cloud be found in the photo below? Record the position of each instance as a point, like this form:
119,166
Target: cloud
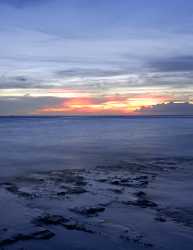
41,60
24,105
79,51
89,72
168,109
100,105
21,81
173,64
27,105
68,103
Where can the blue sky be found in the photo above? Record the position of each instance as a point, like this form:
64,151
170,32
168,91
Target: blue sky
105,56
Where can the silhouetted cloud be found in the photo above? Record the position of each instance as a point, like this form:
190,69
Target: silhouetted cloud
168,109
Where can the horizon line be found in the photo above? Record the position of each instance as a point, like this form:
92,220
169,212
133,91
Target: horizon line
97,116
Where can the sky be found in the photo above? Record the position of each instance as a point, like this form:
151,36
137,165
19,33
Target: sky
104,57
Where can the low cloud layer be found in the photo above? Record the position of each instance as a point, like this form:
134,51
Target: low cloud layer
24,105
133,104
168,109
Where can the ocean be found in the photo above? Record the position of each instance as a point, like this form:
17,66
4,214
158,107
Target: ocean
96,183
44,143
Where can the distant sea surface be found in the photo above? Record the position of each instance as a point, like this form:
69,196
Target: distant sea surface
45,143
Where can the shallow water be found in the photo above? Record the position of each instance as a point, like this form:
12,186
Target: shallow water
42,143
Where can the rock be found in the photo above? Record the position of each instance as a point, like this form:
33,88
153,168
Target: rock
76,190
146,203
179,215
160,218
73,225
39,235
140,194
136,238
143,203
15,190
116,182
42,235
50,220
12,188
81,182
62,193
143,183
69,224
148,244
117,190
142,177
121,181
102,180
88,211
142,200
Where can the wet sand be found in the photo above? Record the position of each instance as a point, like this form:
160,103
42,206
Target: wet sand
130,205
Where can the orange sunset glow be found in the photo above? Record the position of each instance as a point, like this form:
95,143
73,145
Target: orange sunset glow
102,105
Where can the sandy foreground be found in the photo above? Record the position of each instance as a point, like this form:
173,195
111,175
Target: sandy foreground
135,205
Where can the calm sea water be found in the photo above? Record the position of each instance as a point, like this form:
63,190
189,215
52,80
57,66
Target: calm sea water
83,142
